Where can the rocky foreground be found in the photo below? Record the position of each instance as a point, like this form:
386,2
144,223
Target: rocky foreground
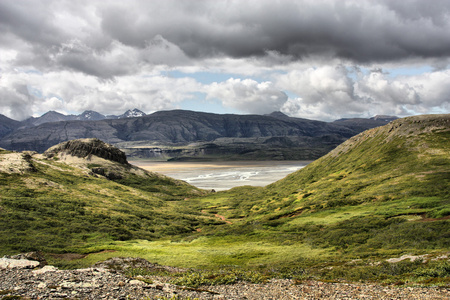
26,279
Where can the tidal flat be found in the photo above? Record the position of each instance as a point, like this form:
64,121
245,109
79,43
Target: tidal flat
224,175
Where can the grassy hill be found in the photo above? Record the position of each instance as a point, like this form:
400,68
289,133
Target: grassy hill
382,194
386,188
71,199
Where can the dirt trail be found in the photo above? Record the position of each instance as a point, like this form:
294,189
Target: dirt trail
222,218
218,216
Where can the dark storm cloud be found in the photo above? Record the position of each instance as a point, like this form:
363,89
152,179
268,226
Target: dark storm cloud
362,31
30,21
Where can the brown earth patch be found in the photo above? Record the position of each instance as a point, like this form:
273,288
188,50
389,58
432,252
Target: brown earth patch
222,218
73,256
68,256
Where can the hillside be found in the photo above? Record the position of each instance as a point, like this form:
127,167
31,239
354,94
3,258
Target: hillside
404,159
383,191
82,193
7,125
181,134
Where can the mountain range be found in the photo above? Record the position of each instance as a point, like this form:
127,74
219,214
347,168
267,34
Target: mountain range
88,115
181,134
188,135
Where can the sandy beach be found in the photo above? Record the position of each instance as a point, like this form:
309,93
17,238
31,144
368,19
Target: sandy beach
224,175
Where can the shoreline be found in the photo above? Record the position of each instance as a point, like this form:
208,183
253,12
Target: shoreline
224,175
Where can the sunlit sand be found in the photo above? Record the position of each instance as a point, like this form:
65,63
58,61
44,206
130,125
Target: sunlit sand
224,175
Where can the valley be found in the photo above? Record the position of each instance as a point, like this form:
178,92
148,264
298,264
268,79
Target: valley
225,150
352,215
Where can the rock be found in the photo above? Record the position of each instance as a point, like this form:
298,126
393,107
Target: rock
35,255
136,282
86,148
11,263
91,284
45,269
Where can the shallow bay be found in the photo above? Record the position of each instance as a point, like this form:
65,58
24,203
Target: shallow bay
224,175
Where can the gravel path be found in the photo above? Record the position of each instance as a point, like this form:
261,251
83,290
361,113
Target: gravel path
99,283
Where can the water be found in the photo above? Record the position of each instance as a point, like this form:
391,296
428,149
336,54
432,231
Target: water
224,175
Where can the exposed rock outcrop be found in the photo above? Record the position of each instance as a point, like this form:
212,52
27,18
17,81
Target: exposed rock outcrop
11,263
27,260
86,148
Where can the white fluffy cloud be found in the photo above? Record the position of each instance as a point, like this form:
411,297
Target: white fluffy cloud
248,95
75,92
332,92
326,91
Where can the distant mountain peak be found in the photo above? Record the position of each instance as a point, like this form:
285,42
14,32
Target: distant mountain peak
132,113
90,115
278,115
53,112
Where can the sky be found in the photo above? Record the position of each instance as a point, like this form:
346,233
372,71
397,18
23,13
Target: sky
313,59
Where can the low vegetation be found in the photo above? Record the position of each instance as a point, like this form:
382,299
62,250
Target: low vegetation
73,209
380,195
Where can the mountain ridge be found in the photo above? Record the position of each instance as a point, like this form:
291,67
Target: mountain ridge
87,115
179,134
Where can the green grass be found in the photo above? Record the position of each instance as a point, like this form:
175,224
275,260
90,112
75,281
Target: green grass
206,252
71,211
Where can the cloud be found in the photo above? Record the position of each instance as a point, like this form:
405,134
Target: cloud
328,93
36,93
15,102
77,56
433,91
108,55
359,31
355,30
326,90
247,95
